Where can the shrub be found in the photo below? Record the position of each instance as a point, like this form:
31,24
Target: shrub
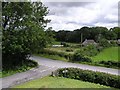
90,76
69,50
65,44
104,43
110,63
81,58
113,43
90,50
61,54
32,63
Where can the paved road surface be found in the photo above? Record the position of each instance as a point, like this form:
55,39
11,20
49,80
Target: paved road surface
61,64
46,67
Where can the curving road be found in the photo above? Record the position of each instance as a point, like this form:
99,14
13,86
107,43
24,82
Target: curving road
61,64
45,68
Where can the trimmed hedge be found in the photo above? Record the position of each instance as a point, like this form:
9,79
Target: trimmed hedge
90,76
110,63
61,54
81,58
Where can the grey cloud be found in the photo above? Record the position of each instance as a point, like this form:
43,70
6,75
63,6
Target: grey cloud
61,9
69,4
58,11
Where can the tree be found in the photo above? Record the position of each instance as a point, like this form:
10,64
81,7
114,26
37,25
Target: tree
23,30
116,30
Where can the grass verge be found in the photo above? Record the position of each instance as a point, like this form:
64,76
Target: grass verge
54,57
58,82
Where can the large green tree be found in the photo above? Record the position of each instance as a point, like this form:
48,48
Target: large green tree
23,26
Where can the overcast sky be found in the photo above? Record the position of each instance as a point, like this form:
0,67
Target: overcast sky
74,15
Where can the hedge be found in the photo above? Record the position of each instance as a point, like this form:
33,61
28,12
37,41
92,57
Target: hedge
81,58
61,54
90,76
110,63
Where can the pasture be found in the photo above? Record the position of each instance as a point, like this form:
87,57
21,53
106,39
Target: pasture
108,54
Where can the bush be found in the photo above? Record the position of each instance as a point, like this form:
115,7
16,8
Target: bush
81,58
65,44
69,50
25,65
110,63
90,50
31,63
104,43
90,76
61,54
113,43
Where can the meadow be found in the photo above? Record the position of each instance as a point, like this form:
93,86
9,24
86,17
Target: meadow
111,54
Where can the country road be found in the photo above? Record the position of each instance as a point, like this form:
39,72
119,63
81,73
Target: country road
45,68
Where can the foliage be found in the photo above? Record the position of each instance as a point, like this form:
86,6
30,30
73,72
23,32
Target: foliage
23,31
69,50
27,64
104,43
110,63
61,54
91,50
116,30
58,82
53,57
80,58
65,44
95,33
90,76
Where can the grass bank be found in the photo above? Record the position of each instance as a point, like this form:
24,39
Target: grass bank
58,82
54,57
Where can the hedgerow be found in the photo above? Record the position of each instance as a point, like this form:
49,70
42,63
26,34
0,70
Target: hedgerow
90,76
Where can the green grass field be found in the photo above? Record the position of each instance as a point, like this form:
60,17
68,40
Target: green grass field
58,82
108,54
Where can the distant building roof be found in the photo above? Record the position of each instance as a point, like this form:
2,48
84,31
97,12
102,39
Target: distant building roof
87,42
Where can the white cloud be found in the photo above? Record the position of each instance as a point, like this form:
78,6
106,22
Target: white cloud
70,16
111,17
64,26
108,25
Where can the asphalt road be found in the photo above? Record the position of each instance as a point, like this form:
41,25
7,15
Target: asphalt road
45,68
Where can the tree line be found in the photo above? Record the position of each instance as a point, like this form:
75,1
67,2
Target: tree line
95,33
